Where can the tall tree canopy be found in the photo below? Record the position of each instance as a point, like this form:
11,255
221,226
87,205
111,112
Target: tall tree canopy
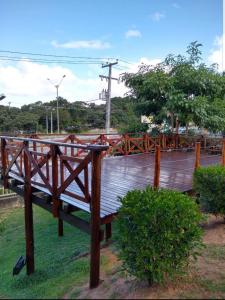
181,89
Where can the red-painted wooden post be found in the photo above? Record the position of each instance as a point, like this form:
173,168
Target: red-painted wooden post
223,153
197,154
145,141
157,167
108,229
28,213
55,200
95,219
163,141
4,162
72,137
126,144
35,149
55,180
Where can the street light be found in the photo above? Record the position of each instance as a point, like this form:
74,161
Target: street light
57,97
2,96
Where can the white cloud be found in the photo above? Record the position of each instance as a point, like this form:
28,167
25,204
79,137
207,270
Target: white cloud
157,16
217,54
175,5
132,33
85,44
26,82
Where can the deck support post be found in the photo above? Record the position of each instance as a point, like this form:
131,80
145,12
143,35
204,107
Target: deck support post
163,141
197,154
223,153
55,177
108,230
28,213
95,219
4,163
157,167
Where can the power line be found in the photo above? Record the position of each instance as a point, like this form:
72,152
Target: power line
53,55
50,61
66,56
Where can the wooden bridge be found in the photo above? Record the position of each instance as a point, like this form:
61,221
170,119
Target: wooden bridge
54,175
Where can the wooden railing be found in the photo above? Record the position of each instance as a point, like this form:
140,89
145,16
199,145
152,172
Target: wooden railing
52,170
125,144
118,144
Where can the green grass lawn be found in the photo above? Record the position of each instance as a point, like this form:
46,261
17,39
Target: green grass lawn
59,273
56,270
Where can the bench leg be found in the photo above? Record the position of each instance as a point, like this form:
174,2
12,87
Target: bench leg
108,229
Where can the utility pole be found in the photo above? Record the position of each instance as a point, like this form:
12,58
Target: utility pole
46,122
108,100
51,123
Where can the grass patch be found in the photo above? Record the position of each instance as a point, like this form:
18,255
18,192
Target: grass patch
56,269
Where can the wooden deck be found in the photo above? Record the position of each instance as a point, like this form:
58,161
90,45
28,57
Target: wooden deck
50,174
124,173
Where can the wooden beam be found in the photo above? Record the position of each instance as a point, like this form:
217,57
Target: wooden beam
157,167
55,199
95,219
197,154
4,163
28,214
108,229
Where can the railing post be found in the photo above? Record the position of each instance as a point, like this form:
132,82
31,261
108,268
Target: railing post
95,218
56,203
157,167
197,154
54,181
28,213
223,153
163,141
35,149
102,139
145,140
126,146
4,163
72,138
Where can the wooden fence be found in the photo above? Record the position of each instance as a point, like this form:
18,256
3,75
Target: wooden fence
131,143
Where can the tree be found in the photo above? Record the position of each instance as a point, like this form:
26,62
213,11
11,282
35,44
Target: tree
180,88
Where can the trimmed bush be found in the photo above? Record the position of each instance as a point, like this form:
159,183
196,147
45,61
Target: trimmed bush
158,232
209,183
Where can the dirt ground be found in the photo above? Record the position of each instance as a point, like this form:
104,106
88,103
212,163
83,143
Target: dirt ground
205,279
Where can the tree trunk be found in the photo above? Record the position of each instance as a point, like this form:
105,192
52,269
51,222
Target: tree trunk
172,122
177,125
187,128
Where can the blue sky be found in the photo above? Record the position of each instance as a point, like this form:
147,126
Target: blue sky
125,29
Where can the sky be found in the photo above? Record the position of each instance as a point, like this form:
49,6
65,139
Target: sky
132,31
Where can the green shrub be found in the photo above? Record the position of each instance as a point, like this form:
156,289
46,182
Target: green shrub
209,183
133,127
158,232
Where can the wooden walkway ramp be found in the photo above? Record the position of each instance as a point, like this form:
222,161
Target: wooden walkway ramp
63,184
124,173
